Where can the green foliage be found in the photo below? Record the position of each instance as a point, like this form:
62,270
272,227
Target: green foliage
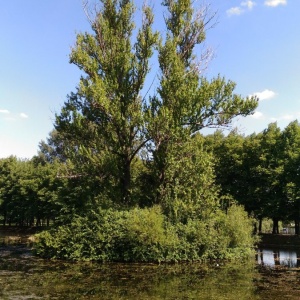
267,226
107,123
189,190
102,122
145,235
261,171
108,235
28,192
239,229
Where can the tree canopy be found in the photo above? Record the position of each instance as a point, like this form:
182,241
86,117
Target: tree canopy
108,122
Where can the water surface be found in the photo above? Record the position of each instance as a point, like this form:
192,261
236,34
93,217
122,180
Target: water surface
278,257
23,276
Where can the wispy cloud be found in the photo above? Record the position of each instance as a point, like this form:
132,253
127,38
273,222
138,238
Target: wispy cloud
249,4
286,117
258,115
243,7
23,116
234,11
4,111
265,95
12,116
274,3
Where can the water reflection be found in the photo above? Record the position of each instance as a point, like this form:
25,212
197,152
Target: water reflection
278,257
23,276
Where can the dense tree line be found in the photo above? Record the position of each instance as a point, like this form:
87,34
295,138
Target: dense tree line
126,175
32,193
261,172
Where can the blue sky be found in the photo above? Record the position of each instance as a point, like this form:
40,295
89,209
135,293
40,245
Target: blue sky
254,43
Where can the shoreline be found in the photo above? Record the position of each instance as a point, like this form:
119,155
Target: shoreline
279,240
267,240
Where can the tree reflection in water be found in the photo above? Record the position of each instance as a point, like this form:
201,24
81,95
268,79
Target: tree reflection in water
278,257
23,276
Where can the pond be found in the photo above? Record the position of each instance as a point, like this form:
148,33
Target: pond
23,276
279,257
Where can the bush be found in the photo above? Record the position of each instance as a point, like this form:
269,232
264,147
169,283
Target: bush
235,234
110,235
145,235
85,238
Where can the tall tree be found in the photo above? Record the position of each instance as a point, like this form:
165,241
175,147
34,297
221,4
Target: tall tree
107,123
186,101
53,149
7,187
291,146
270,170
105,114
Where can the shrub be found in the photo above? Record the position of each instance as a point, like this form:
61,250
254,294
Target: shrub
145,235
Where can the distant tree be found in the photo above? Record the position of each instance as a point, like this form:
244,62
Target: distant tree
28,192
229,164
54,148
7,187
18,192
291,150
271,174
253,199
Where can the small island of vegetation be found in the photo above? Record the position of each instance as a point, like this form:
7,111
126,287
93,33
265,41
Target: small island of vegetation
127,175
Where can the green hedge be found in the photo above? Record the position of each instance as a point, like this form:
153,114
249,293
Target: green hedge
145,235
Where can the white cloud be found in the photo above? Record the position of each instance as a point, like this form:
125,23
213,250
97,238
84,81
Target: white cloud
249,4
258,115
24,116
265,95
234,11
4,111
286,117
238,10
275,3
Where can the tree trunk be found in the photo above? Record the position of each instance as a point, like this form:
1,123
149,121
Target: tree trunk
4,218
125,180
255,228
276,258
275,226
38,222
297,226
260,224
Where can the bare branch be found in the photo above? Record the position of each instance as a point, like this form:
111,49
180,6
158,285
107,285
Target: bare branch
87,11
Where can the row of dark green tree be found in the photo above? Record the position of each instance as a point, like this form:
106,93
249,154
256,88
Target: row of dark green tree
261,172
32,193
